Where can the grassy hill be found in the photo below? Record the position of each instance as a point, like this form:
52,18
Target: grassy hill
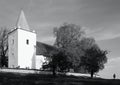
42,79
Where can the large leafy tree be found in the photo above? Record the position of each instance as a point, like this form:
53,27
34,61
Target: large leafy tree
3,47
68,38
94,59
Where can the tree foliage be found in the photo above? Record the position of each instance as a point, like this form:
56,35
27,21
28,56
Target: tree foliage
57,62
3,47
84,44
68,37
94,59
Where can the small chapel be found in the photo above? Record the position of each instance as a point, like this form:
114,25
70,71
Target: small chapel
24,51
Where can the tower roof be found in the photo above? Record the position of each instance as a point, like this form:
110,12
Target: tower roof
22,22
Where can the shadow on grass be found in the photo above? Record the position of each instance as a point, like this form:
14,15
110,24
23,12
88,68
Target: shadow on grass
48,79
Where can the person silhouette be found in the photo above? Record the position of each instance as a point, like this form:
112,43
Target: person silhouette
114,75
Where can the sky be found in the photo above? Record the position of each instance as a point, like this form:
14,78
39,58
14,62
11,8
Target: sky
99,18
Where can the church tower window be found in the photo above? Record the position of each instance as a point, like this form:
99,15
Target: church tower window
27,41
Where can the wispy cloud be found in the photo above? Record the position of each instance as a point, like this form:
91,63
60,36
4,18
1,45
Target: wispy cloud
48,40
102,33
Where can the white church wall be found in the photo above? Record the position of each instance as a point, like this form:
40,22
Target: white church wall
12,49
40,59
26,49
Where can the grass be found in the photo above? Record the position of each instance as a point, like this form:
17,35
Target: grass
47,79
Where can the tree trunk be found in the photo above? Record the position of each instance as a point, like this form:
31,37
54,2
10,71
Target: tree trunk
0,61
54,71
92,74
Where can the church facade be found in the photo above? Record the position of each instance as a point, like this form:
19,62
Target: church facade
23,49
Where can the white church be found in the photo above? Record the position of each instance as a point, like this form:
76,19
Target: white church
24,51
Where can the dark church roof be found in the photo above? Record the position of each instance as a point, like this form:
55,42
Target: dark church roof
44,49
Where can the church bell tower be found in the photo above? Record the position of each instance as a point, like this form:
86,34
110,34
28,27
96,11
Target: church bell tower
22,45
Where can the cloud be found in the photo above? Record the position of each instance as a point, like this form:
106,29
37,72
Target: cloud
106,36
90,31
114,60
101,33
48,40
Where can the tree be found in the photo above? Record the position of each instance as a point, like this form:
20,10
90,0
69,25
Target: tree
3,47
84,44
68,37
57,62
94,59
60,60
